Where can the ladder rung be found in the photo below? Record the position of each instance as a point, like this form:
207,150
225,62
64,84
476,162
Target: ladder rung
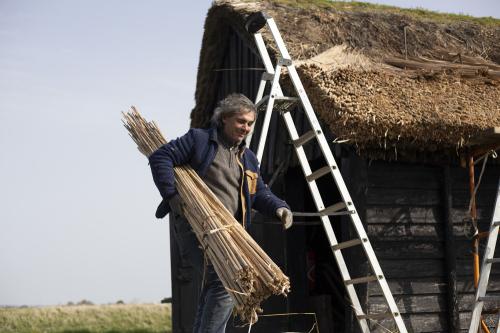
349,243
319,214
281,103
287,98
489,298
378,316
267,76
493,260
318,173
364,279
332,209
262,101
303,139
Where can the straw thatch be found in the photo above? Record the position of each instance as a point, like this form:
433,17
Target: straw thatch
433,92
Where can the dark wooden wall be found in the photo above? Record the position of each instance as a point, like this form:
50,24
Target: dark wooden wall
406,207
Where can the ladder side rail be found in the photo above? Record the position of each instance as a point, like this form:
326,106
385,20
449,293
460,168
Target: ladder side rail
262,87
486,266
358,225
332,239
277,38
269,111
264,55
260,93
266,59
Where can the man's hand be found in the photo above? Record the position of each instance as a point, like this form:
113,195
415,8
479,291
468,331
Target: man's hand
286,217
177,205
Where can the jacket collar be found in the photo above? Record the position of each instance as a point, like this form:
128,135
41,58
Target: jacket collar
213,133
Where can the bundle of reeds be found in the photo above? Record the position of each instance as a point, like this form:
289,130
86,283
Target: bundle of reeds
246,271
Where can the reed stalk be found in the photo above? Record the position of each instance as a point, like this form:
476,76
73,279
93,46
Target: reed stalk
246,271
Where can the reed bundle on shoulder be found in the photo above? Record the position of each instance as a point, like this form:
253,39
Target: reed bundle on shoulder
246,271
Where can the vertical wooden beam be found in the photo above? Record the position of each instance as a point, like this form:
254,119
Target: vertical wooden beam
450,255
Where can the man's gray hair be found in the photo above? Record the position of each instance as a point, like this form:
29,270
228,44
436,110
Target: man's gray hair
232,104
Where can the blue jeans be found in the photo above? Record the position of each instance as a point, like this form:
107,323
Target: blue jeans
214,306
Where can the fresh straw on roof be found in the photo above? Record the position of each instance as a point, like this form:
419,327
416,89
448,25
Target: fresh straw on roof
246,271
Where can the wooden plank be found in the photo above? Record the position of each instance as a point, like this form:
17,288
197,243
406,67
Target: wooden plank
484,213
396,269
464,231
410,303
485,197
423,286
486,137
406,231
405,214
466,285
411,286
398,197
466,302
460,176
408,249
450,255
465,318
403,176
464,249
464,268
424,323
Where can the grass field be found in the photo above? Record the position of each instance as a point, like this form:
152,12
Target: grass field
143,318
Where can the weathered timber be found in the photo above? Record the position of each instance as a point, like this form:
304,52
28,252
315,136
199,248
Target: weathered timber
424,322
450,257
398,268
407,177
408,197
407,231
411,303
466,301
484,197
406,214
419,249
464,268
423,286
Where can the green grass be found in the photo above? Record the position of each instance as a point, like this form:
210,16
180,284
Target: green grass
144,318
418,13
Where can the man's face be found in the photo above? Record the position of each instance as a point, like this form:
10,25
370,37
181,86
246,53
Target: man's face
238,126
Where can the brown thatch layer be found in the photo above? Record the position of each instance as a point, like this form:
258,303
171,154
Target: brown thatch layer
383,109
435,91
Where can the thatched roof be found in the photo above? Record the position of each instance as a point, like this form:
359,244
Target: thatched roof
365,83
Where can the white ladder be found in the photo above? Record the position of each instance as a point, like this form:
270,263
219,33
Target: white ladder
488,260
277,101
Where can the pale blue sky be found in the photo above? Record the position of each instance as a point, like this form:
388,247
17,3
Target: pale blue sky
77,200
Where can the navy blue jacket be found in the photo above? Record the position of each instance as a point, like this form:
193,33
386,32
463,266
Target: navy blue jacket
198,148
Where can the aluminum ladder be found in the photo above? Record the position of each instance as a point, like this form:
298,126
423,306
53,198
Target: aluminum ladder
488,260
276,101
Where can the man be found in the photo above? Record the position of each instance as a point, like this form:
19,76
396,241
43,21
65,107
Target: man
231,171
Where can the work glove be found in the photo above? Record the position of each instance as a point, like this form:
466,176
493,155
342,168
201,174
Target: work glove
177,205
286,217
